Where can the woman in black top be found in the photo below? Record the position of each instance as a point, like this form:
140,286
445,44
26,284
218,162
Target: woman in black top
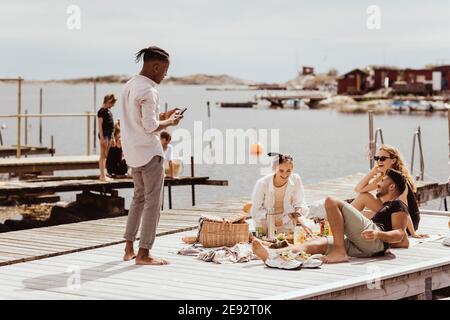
388,157
115,163
105,134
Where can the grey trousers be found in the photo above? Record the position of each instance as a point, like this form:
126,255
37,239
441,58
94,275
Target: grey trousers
146,205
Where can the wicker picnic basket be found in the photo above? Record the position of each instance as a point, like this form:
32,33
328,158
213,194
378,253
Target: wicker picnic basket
223,232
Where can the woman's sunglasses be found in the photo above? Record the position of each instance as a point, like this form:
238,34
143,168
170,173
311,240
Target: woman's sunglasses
382,158
285,157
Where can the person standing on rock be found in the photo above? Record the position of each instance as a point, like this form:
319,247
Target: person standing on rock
141,123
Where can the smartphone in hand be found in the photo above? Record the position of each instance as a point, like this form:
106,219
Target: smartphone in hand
180,112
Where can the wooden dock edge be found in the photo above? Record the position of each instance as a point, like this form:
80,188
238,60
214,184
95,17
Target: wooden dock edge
432,192
409,281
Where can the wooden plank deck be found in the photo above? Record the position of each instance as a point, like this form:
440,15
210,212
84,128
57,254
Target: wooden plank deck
104,276
39,164
16,246
95,246
62,239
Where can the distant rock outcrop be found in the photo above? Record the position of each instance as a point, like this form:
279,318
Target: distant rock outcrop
99,79
195,79
322,82
206,79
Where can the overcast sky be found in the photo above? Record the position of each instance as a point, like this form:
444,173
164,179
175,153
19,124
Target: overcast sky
257,40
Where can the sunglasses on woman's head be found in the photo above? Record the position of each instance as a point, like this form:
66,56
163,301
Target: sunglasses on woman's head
285,157
282,157
381,158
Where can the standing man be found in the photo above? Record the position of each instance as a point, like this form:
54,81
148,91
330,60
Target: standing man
141,122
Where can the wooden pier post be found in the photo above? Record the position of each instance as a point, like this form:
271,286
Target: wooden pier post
26,126
88,130
371,139
193,185
40,118
169,188
448,116
52,146
209,127
418,138
95,109
19,117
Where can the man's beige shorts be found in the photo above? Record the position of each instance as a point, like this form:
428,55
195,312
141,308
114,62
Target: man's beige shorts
355,223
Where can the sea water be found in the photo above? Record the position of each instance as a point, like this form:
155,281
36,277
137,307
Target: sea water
325,144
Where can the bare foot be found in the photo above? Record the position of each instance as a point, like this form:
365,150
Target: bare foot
129,255
151,261
336,256
259,250
129,251
105,179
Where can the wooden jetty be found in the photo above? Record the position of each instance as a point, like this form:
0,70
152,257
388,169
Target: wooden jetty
46,164
10,151
84,183
90,183
312,98
248,104
73,184
268,86
342,188
39,263
413,272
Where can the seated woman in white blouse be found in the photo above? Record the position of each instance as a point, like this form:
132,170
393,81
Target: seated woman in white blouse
283,191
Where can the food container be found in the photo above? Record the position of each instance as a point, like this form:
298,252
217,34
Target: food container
271,230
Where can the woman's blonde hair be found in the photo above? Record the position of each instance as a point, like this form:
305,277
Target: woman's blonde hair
399,164
109,98
116,131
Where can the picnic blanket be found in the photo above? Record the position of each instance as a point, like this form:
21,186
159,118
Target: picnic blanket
446,242
433,237
239,253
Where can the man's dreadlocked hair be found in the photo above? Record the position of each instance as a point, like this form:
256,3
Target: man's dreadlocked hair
152,53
